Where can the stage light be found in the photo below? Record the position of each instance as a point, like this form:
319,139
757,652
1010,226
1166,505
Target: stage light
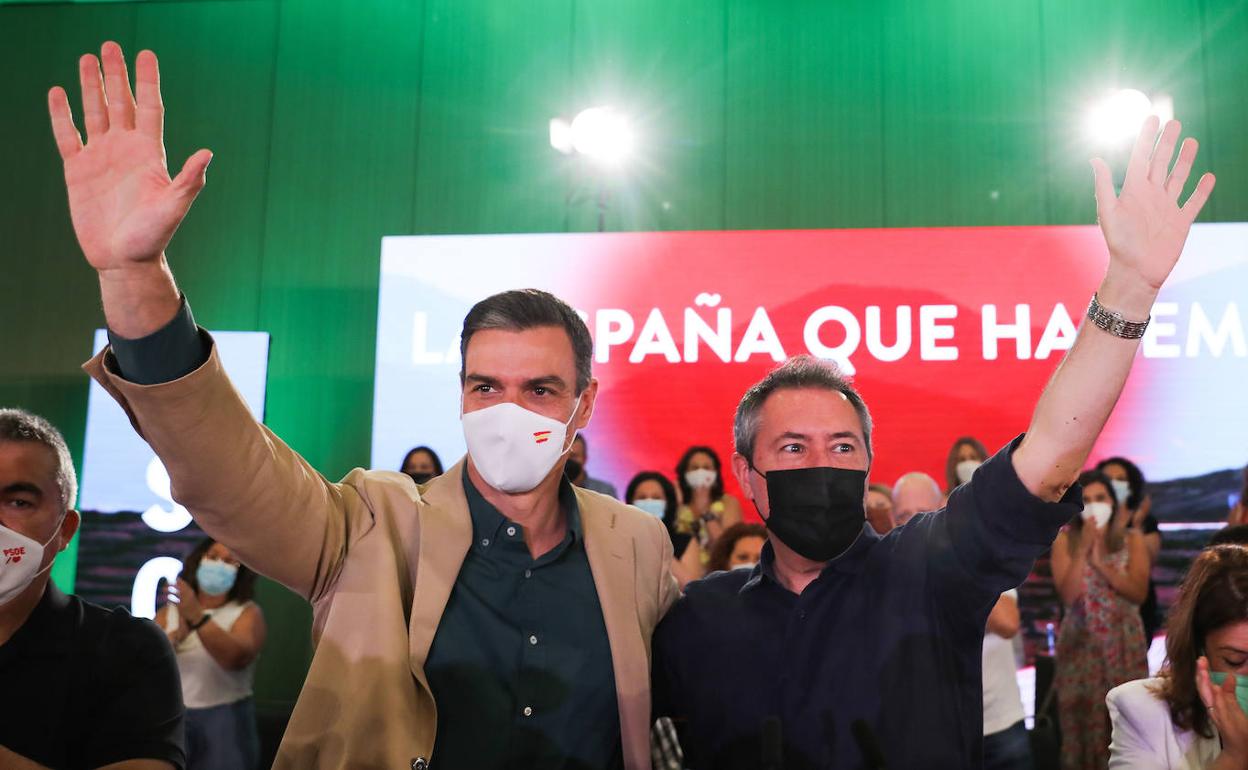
561,136
1116,120
599,133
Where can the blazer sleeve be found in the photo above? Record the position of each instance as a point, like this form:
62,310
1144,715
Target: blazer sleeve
669,589
241,483
1141,726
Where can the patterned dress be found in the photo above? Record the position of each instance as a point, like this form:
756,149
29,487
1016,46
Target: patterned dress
1100,645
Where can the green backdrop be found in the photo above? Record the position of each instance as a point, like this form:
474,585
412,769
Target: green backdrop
336,123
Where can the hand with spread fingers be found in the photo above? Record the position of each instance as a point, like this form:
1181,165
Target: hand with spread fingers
1144,224
125,207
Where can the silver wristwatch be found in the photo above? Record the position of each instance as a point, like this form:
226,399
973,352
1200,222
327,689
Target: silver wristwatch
1114,323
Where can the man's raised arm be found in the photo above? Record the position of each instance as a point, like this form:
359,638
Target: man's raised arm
241,483
1145,228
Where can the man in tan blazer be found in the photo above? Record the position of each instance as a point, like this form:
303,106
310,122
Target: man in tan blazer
494,617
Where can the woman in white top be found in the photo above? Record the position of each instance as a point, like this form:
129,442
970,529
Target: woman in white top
1191,716
1006,746
217,633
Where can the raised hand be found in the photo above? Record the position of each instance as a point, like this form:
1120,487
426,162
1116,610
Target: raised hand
124,206
1145,227
1224,711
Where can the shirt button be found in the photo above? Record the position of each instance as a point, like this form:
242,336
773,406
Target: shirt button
532,640
528,573
801,614
528,711
485,542
511,531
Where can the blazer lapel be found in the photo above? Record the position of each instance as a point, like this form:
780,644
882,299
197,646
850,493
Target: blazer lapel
445,537
612,563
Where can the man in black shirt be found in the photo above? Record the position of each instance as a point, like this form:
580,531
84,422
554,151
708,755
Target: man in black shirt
84,687
845,649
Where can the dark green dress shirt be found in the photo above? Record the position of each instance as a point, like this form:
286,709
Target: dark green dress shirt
520,666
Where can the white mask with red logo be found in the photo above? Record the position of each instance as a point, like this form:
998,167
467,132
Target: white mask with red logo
19,561
514,448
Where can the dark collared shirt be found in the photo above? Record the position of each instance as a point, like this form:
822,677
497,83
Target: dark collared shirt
520,666
890,633
86,687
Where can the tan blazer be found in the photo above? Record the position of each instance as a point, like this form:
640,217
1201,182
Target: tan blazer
377,557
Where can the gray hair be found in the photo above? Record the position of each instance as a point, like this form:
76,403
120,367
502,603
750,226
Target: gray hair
798,372
523,309
20,425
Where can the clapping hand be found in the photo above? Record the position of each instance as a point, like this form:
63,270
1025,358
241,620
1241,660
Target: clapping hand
186,600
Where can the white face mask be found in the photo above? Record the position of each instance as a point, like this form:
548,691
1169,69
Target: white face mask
1122,490
19,561
702,478
1098,512
513,448
966,468
745,565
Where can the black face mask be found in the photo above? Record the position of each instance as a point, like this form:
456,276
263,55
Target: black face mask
818,512
420,478
573,470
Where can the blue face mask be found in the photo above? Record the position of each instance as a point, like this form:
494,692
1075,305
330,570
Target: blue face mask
1241,687
656,508
216,577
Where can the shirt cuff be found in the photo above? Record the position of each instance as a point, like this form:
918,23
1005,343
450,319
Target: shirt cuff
1011,509
167,354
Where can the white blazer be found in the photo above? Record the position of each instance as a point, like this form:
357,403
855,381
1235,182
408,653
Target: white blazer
1145,738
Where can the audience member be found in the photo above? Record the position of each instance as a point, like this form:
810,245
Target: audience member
880,508
1006,745
653,493
965,456
84,687
1239,504
577,469
1131,491
1237,535
217,632
706,509
422,464
1192,716
915,493
738,548
1100,570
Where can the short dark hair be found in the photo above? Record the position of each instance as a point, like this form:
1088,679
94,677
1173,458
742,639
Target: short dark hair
1135,480
522,309
433,457
18,425
244,585
1237,535
669,494
798,372
682,467
726,543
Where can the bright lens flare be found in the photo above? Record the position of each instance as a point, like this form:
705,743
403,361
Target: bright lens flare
603,134
1117,119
